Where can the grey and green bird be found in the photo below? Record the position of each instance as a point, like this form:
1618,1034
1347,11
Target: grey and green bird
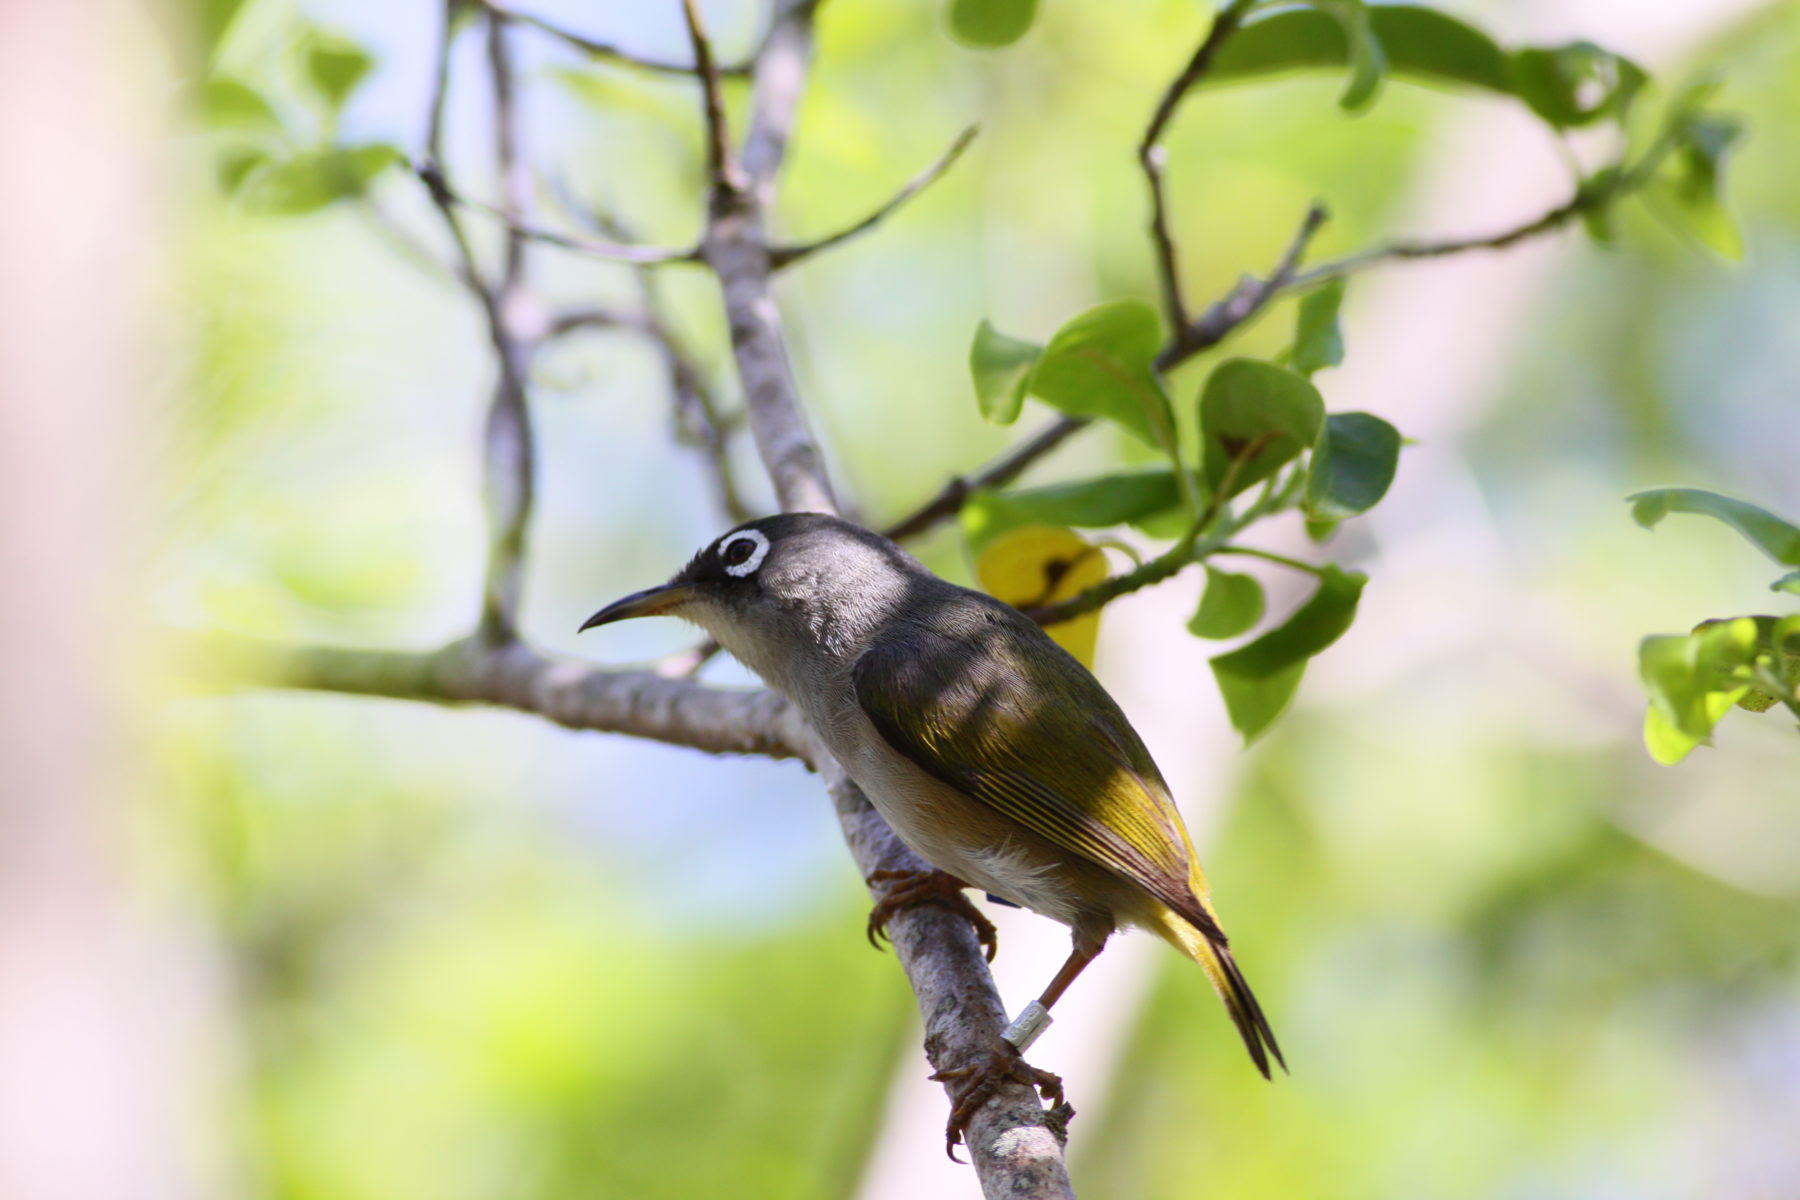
989,749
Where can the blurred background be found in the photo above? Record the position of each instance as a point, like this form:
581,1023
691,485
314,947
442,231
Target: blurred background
364,950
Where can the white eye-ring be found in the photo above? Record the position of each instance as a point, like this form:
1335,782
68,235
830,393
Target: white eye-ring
743,552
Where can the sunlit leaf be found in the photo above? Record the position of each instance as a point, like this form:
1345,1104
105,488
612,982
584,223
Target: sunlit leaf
1258,680
1255,408
1230,605
1000,366
1101,365
989,24
1767,532
1036,565
1353,465
1787,583
1694,680
1088,503
1318,340
1666,744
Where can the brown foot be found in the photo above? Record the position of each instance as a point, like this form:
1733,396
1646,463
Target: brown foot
907,888
971,1087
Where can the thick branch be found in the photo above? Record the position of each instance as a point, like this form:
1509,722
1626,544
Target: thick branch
736,246
514,675
781,256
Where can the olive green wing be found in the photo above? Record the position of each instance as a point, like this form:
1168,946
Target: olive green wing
1005,716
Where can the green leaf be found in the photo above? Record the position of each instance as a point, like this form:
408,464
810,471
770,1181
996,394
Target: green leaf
1001,365
1666,744
212,21
1417,43
1787,583
1259,679
335,65
1318,341
1767,532
1574,85
1320,528
1088,504
1353,465
1247,402
228,104
1694,680
310,181
1695,189
989,24
237,165
1230,605
1101,364
1368,63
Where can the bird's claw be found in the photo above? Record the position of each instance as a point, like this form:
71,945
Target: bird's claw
906,888
972,1086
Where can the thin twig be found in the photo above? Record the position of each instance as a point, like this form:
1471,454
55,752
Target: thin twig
1243,301
509,451
644,256
721,164
781,256
1002,471
1150,156
608,52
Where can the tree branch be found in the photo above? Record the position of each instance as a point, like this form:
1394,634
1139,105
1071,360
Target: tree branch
514,675
735,245
1013,1142
1150,156
644,256
509,454
1243,301
1002,471
782,256
606,51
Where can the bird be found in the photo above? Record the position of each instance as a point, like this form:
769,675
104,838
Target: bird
994,754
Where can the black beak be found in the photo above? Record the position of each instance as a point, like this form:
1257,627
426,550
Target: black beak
648,603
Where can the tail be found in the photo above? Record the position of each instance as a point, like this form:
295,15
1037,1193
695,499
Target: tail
1200,938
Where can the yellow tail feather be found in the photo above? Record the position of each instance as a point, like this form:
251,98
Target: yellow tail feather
1215,959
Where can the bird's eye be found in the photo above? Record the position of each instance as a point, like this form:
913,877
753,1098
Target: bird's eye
744,552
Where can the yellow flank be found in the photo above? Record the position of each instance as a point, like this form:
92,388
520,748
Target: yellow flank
1040,564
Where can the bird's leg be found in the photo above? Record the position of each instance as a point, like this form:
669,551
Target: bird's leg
906,888
973,1084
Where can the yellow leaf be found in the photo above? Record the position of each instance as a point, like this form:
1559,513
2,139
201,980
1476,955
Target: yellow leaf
1036,565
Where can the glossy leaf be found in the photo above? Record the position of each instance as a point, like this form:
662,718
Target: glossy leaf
1775,537
1574,85
1231,604
1318,340
1039,564
335,65
1419,43
989,24
1000,366
1258,680
1353,465
1248,403
1090,504
1101,365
